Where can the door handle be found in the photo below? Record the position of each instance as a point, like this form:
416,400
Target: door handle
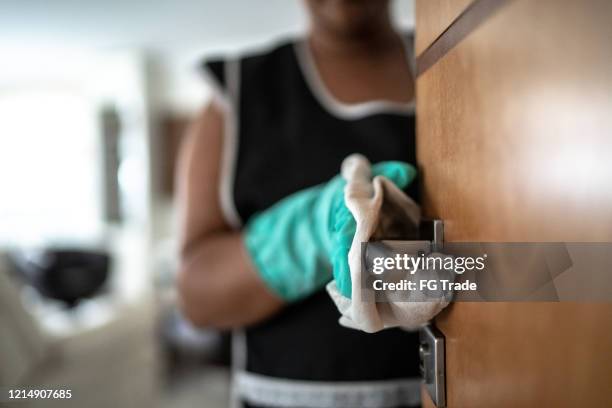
432,345
433,231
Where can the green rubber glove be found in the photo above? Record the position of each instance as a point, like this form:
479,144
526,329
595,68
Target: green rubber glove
294,243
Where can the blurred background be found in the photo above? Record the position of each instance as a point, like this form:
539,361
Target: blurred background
94,100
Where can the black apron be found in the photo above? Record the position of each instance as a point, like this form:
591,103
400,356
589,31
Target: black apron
284,133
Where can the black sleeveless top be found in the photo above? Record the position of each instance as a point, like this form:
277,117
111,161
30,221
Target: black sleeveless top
284,133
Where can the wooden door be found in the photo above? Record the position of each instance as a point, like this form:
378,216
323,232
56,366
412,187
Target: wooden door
515,144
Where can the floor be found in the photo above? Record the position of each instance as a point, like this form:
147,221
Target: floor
207,388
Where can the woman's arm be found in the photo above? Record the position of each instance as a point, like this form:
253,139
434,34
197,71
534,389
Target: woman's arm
217,284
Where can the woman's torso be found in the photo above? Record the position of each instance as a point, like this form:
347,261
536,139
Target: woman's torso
284,133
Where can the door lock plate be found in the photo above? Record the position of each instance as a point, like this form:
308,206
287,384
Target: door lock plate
433,370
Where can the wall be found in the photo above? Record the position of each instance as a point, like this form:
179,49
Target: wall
175,34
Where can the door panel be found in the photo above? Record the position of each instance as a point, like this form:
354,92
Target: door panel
434,16
515,131
515,144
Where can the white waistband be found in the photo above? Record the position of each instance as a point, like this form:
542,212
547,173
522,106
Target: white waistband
275,392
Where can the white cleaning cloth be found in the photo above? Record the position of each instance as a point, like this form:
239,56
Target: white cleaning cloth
379,207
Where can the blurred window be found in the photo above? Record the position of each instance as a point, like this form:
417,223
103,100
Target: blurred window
49,164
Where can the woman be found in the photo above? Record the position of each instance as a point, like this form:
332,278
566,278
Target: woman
281,122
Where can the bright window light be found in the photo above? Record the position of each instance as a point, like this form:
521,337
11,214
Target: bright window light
49,165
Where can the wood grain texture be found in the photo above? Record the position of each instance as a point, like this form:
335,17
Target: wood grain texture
515,144
468,21
439,14
514,126
524,355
